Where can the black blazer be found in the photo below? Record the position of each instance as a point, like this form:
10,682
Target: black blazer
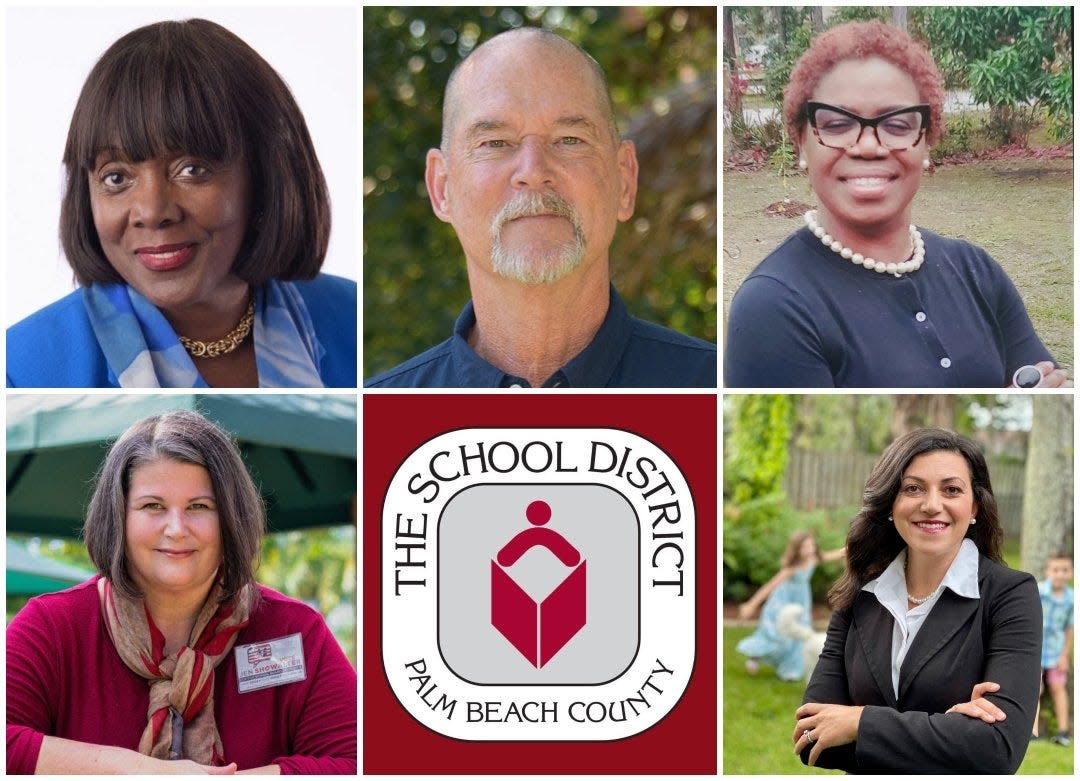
962,642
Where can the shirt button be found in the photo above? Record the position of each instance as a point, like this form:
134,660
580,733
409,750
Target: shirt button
515,385
945,363
920,316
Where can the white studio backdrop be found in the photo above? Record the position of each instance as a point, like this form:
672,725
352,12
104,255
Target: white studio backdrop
49,51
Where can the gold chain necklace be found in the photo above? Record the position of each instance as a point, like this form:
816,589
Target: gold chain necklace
228,343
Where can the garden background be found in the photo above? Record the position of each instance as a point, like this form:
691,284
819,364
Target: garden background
299,448
799,462
1002,176
661,65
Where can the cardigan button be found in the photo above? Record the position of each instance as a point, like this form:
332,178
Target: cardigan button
920,316
945,363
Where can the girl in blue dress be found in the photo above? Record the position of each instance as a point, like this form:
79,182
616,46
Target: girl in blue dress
791,585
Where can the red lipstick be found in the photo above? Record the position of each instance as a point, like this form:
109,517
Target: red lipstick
166,257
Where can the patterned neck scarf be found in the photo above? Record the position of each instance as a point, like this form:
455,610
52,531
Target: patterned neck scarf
143,351
180,716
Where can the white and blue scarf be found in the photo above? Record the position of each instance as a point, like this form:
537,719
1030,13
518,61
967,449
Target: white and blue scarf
143,351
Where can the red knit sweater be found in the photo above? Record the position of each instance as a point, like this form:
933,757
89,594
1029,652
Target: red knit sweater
65,679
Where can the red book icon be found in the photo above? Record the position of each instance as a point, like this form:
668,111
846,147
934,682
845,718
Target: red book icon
538,630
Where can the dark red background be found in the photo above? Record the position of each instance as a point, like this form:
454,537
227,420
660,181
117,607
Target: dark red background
685,427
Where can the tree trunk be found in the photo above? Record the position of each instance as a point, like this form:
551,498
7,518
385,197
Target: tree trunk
781,28
733,110
899,16
817,19
913,410
941,411
1048,483
730,52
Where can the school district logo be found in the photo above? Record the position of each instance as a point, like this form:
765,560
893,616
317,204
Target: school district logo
538,584
539,629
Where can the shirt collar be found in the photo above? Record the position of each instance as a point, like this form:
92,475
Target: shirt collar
593,367
963,574
962,577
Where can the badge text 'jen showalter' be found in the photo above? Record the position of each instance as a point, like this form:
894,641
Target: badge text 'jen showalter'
639,472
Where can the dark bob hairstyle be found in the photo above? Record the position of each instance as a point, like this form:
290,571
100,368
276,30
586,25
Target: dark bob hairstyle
193,87
872,539
189,438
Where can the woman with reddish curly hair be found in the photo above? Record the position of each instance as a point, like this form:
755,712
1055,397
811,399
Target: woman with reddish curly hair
860,297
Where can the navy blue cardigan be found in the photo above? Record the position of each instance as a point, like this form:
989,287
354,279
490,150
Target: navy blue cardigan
806,318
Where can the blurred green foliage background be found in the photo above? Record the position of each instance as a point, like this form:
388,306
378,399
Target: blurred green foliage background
317,566
661,63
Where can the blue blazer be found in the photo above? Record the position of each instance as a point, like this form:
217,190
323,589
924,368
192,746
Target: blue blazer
997,637
56,348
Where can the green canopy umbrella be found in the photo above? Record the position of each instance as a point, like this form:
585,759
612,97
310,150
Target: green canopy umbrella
30,573
300,448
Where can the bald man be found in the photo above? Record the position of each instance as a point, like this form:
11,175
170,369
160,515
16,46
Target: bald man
534,178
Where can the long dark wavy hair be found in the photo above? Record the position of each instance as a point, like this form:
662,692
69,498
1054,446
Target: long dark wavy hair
872,539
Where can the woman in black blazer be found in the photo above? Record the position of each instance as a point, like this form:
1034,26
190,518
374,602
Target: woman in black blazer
931,663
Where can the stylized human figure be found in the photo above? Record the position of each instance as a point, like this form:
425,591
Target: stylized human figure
538,513
538,631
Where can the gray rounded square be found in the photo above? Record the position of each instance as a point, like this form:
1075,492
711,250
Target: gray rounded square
596,520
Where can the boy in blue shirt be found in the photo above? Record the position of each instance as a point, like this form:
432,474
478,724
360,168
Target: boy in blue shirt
1057,606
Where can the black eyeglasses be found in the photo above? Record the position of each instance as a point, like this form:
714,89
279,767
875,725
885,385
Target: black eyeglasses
837,128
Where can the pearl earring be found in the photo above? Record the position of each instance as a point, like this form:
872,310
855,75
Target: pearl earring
803,164
972,521
890,519
926,163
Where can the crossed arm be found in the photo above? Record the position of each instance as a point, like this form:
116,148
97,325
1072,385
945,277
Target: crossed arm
322,740
986,734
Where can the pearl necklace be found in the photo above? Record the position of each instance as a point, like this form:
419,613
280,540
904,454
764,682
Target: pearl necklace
927,598
919,600
896,269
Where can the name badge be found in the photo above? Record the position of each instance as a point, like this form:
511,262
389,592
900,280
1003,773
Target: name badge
271,663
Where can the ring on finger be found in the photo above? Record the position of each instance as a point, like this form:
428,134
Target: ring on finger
806,734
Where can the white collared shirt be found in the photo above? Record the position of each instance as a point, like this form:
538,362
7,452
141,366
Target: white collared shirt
890,588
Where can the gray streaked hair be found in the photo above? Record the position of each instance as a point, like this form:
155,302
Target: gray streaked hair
185,437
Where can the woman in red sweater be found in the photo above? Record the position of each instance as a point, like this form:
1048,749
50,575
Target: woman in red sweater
173,660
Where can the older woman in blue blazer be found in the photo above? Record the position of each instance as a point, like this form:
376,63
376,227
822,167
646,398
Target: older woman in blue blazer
931,663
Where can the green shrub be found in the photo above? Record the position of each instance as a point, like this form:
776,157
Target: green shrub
783,157
1014,59
1060,130
755,454
756,534
1059,104
778,66
961,132
1010,124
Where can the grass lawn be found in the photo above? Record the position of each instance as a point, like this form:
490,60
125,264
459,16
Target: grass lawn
759,716
1018,210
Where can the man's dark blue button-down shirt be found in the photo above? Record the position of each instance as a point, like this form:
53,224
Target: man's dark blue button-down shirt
625,353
